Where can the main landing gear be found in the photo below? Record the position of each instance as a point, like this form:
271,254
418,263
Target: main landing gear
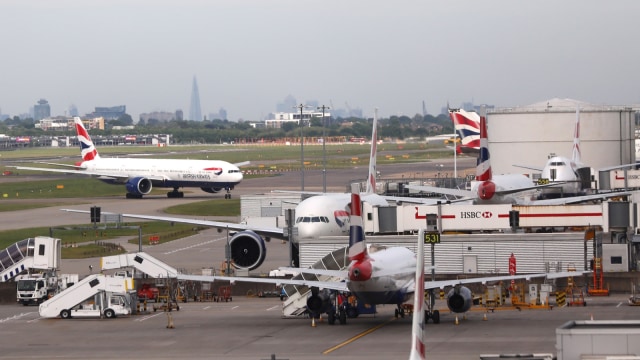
175,193
430,313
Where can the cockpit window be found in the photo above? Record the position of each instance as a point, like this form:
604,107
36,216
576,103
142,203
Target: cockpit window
232,171
312,219
557,163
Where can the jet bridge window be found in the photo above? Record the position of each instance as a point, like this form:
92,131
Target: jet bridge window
41,250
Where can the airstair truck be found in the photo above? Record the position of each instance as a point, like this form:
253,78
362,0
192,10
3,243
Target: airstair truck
95,295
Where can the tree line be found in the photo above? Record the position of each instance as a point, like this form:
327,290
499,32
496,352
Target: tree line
219,131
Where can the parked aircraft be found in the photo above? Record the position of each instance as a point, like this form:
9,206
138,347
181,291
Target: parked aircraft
384,276
505,188
141,175
467,126
572,174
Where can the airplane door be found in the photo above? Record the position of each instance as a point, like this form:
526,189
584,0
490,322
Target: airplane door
470,264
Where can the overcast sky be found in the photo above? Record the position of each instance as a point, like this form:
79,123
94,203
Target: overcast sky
248,55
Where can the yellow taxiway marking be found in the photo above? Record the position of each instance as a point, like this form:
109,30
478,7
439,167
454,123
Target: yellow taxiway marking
349,341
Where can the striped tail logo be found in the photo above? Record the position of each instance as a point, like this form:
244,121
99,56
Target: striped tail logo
357,247
87,149
483,170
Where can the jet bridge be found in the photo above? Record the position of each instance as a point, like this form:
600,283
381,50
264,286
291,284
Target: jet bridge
140,261
83,290
33,253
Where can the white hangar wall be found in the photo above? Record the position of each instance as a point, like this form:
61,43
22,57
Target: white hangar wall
527,135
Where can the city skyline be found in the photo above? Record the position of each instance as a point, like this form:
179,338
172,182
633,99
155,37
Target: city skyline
249,55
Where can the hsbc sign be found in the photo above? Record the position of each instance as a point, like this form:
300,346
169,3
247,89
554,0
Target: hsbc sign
476,215
459,217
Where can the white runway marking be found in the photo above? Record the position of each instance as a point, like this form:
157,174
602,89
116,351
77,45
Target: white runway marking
193,246
15,317
274,308
148,317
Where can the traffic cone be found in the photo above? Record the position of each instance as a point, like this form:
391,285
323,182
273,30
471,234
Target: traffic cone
457,320
591,317
313,322
169,320
484,317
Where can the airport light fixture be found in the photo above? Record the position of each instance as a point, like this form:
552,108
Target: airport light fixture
301,107
324,150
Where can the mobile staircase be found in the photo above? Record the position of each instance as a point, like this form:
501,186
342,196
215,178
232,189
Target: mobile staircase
296,302
62,303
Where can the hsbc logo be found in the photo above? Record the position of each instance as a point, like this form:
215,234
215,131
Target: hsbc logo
476,215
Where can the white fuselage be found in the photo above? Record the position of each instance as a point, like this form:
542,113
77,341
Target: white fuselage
167,172
392,278
505,183
562,169
328,214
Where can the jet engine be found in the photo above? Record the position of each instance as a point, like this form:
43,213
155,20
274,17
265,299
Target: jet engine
211,190
459,299
486,190
319,302
248,250
139,186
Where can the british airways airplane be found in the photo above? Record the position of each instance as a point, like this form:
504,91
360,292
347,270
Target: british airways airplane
141,175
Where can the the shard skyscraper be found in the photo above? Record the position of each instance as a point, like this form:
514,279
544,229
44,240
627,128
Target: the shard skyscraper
195,113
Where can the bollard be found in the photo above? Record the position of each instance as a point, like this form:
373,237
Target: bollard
169,320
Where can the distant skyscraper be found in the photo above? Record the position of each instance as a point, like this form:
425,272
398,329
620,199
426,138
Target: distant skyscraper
42,110
73,110
195,113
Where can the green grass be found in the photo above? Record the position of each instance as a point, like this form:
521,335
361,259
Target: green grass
85,234
71,187
215,207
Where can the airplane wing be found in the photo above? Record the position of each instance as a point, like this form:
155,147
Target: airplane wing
84,172
271,232
445,191
528,167
332,285
470,194
444,283
376,199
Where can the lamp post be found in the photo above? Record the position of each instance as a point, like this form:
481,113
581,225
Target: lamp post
324,151
301,107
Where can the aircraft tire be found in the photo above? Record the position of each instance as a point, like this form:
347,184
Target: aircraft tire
331,318
343,317
436,316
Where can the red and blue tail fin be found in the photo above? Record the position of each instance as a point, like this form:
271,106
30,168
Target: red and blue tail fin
483,170
87,149
467,126
357,246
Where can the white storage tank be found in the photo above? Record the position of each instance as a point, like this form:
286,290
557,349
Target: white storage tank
527,135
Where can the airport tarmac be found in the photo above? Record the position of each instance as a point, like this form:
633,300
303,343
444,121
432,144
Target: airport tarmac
252,328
